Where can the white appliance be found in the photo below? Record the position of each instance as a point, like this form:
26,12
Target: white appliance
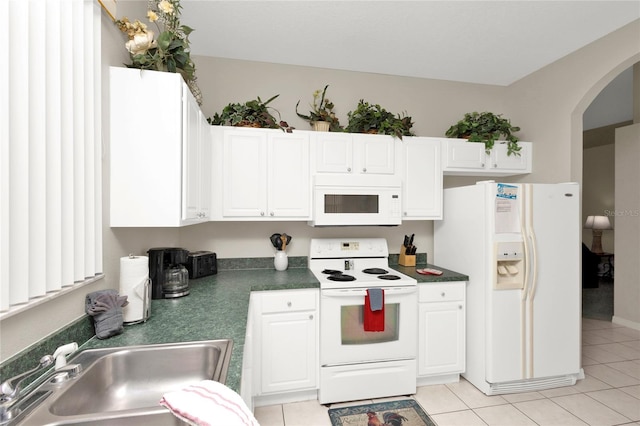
519,244
357,364
340,200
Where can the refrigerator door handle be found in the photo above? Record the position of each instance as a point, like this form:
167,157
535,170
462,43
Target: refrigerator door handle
525,289
531,290
529,244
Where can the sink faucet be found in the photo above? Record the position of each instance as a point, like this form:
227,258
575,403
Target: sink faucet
60,354
10,390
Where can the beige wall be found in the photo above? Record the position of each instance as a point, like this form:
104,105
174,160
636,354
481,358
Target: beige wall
552,101
627,244
547,105
598,190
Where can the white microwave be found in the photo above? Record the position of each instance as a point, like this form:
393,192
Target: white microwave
356,200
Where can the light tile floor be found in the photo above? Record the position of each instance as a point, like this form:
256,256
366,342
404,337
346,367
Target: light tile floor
609,394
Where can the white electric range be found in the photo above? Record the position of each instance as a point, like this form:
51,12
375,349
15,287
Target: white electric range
355,363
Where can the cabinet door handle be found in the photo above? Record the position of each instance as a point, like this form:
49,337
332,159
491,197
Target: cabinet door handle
495,166
349,169
442,294
271,214
459,306
481,164
310,317
261,213
289,304
364,170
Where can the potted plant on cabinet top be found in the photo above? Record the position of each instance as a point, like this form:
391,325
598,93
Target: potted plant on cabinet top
321,116
169,51
486,127
253,113
370,118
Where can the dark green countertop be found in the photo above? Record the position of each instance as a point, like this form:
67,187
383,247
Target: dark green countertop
217,308
447,275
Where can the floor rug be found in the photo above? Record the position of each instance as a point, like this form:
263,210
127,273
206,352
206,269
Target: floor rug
404,412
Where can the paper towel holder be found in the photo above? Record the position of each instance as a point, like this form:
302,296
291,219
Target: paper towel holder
137,289
146,304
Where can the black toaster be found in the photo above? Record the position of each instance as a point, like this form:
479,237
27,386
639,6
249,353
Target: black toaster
201,263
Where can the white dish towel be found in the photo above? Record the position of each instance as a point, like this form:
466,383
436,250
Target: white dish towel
209,403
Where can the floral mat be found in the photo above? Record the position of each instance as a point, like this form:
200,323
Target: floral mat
405,412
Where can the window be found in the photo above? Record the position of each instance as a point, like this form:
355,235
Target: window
50,156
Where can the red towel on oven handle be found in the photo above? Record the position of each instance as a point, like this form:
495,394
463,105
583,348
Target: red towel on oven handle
373,320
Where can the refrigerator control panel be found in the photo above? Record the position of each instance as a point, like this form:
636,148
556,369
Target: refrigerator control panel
509,264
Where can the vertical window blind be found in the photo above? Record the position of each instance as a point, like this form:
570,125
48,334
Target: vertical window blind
50,153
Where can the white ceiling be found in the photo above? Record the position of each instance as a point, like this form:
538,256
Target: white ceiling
487,42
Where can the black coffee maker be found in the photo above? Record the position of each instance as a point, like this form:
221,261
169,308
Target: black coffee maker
168,273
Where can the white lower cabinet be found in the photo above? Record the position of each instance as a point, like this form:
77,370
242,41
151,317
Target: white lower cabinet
285,345
441,328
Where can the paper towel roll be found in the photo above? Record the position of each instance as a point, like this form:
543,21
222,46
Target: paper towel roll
134,283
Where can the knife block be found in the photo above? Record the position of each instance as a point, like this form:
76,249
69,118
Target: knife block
406,259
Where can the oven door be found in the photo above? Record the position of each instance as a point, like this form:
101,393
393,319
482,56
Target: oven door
343,339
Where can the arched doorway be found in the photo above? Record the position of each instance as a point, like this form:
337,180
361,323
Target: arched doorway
598,177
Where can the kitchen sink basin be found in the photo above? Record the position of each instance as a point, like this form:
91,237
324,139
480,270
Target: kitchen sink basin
120,386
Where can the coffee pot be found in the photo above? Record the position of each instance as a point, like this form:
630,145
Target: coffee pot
168,273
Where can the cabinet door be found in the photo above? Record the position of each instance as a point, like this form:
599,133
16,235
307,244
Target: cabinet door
244,173
289,186
460,154
442,340
374,154
205,163
422,178
288,357
190,157
146,176
501,161
333,152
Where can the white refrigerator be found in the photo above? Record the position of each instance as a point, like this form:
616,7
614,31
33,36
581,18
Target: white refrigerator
520,246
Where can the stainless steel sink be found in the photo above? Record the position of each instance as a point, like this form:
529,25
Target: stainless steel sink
120,386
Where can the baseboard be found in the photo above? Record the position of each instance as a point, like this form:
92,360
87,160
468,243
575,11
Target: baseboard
285,398
438,380
625,322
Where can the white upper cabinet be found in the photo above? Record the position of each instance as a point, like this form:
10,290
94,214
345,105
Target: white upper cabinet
463,158
349,153
502,162
196,163
422,178
158,145
263,174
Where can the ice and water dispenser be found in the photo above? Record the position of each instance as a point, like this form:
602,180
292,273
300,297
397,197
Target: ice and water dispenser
510,260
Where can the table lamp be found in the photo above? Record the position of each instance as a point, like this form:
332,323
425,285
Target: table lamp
597,224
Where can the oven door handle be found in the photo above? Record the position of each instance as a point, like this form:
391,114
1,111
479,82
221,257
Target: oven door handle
363,291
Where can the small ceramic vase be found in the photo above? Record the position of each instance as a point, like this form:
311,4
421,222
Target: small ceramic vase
281,261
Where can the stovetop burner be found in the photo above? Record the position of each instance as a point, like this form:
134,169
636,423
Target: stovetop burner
376,271
354,263
331,272
341,277
388,277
